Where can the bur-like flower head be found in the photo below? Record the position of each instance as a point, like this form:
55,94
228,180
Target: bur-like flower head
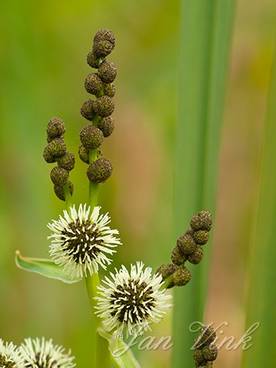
81,241
131,301
41,353
9,356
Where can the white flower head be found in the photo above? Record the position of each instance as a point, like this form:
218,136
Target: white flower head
41,353
9,356
81,241
130,301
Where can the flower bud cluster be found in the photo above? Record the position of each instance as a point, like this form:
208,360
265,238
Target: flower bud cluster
205,349
56,151
189,247
98,110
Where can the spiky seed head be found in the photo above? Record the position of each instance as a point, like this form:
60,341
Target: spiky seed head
196,257
60,190
210,352
99,170
130,301
91,137
59,176
207,337
186,243
56,148
84,154
166,270
41,353
67,161
109,90
181,276
93,84
55,128
10,356
82,241
87,110
106,125
177,257
103,106
92,60
104,35
201,236
198,357
107,71
202,221
47,155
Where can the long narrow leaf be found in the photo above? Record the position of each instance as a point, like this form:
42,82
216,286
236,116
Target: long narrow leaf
205,37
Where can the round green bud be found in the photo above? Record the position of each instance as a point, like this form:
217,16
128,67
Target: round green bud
106,125
47,155
91,137
59,176
210,353
104,35
67,161
55,128
202,221
197,256
99,170
207,336
107,71
109,90
59,190
201,236
177,257
198,357
103,106
56,148
166,270
92,60
181,276
93,84
87,110
186,243
84,154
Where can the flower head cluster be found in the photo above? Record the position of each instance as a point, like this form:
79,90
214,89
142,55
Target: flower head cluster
131,301
205,349
81,241
10,356
98,111
56,151
189,247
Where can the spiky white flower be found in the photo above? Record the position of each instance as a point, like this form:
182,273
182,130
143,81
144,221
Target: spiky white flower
130,301
9,356
81,241
41,353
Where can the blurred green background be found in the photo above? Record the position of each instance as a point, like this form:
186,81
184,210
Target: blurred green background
43,66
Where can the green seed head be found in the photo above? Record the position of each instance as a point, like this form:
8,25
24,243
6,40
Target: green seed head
186,243
103,106
87,110
93,84
177,257
91,137
197,256
67,161
56,148
210,352
198,357
166,270
99,170
47,155
84,154
92,60
59,190
181,276
59,176
107,71
201,236
55,129
202,221
109,90
106,125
